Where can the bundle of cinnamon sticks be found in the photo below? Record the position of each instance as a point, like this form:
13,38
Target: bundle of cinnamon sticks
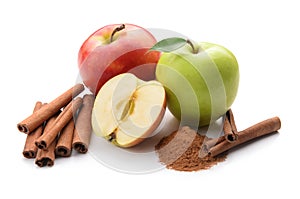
232,137
54,129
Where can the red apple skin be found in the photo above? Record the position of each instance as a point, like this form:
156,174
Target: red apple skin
99,59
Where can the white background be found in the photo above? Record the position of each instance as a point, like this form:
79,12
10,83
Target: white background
39,42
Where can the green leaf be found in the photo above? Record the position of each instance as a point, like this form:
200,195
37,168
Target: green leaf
169,44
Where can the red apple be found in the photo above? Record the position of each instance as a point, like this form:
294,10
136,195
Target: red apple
116,49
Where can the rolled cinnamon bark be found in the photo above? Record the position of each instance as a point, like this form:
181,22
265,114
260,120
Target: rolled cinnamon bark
232,121
30,149
260,129
210,142
64,144
43,114
83,126
230,130
60,122
47,157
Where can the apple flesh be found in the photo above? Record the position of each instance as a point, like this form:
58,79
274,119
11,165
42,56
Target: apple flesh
127,110
201,82
116,49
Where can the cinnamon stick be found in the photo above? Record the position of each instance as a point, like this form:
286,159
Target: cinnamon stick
83,126
47,157
210,142
64,144
43,114
60,122
30,149
230,130
260,129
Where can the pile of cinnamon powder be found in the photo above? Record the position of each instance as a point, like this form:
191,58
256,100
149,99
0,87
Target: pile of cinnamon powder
181,151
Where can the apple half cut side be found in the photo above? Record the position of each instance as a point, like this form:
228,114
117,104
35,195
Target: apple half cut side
127,109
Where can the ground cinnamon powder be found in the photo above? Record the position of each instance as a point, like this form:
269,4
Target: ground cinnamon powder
182,151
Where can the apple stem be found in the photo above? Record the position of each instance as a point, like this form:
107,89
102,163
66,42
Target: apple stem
194,50
117,29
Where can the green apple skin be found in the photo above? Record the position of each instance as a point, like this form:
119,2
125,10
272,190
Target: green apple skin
201,86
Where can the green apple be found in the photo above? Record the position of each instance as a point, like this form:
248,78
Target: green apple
201,80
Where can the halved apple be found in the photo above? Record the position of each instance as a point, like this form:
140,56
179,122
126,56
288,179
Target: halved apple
127,109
